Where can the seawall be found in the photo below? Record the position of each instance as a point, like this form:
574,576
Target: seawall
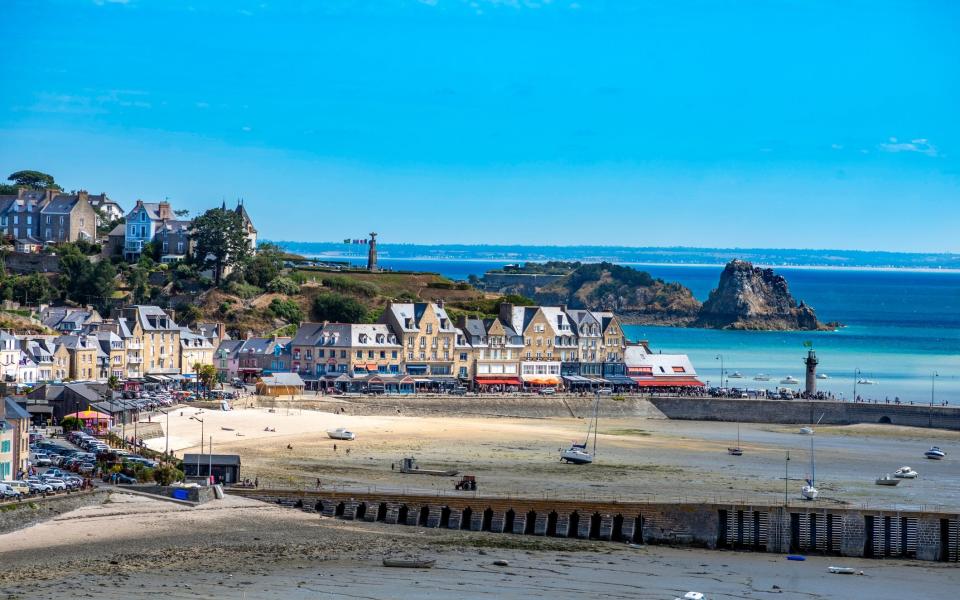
808,528
806,412
486,405
17,515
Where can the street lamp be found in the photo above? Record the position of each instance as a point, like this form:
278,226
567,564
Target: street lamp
720,358
786,479
166,450
195,418
933,383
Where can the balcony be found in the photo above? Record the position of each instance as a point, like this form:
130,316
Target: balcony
134,360
133,245
134,345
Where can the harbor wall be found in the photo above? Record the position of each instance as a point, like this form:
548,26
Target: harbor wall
804,528
19,514
806,412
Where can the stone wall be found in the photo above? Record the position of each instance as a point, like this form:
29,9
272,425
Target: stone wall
807,412
806,528
17,515
488,405
24,263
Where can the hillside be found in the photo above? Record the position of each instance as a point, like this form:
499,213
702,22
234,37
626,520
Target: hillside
634,295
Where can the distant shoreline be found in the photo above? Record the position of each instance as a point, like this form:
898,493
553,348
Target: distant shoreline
646,264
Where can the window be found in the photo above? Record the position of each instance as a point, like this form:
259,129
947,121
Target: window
429,328
679,370
30,220
393,355
463,356
359,353
320,353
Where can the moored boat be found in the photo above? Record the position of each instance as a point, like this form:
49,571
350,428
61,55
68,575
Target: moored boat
761,377
842,570
576,454
341,434
888,480
935,453
806,430
735,375
409,563
789,380
822,376
906,473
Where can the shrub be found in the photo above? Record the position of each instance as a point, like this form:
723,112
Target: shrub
283,285
338,308
351,286
288,310
243,290
167,474
441,285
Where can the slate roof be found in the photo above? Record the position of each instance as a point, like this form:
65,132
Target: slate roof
285,379
231,460
14,410
307,334
61,204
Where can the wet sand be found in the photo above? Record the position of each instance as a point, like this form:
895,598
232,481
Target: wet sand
637,458
133,547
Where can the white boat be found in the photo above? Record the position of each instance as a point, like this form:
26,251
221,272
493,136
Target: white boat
789,380
761,377
865,382
577,454
842,570
806,430
735,375
810,491
822,376
888,480
341,434
736,450
935,453
692,596
906,473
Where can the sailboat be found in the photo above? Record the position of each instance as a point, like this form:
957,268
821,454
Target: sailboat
736,450
809,491
577,453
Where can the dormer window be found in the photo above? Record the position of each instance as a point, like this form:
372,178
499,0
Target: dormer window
363,338
380,338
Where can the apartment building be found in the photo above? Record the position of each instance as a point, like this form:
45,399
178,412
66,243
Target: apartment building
34,218
82,350
157,337
113,355
428,338
194,349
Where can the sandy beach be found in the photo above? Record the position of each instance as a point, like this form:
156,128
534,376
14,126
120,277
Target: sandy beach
637,458
133,547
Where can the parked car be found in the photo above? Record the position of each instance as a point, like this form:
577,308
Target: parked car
87,468
19,486
125,479
605,391
38,487
547,391
58,485
8,493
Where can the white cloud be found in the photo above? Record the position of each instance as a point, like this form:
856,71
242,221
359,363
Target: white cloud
919,145
837,146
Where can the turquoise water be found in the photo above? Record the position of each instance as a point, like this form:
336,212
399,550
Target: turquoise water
901,327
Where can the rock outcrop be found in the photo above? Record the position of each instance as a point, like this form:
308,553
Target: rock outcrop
749,297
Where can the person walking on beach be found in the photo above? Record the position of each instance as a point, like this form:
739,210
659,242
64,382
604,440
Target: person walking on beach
318,483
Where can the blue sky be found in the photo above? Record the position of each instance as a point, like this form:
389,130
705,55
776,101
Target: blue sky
792,123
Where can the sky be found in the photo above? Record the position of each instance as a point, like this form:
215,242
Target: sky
736,123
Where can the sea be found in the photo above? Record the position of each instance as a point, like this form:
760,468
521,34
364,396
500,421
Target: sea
901,329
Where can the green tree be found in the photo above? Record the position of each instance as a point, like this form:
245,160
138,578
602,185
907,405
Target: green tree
206,374
265,265
71,423
283,285
31,289
338,308
33,179
220,242
113,382
84,282
167,474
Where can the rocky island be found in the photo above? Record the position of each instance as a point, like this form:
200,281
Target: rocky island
746,297
749,297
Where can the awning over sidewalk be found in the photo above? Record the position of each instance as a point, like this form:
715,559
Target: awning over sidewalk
668,382
620,380
497,381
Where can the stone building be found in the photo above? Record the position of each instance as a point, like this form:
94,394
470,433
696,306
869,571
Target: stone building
33,218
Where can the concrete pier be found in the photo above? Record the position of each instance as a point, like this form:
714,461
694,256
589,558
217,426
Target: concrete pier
808,528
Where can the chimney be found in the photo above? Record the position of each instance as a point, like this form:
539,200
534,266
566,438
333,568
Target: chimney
163,210
139,204
82,195
440,303
462,321
49,194
506,312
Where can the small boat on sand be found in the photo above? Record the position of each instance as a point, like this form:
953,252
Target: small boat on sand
842,570
692,596
935,453
341,434
736,450
906,473
888,480
866,382
409,563
806,430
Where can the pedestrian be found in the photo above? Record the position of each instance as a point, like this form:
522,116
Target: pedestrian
334,447
256,482
318,483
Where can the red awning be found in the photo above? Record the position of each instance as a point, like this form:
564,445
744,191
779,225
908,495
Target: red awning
497,381
668,382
